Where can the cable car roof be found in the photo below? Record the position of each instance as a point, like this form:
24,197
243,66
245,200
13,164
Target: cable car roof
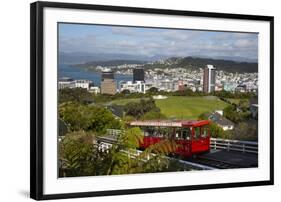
167,123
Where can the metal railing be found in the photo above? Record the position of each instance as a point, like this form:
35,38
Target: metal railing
113,132
234,145
134,153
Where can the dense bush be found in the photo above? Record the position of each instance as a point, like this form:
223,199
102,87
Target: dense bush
231,113
139,109
153,115
87,118
79,95
78,156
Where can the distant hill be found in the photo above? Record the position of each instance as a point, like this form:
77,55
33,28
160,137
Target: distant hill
110,63
88,61
82,57
226,65
230,58
196,62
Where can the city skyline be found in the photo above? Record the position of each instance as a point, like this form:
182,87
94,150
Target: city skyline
152,42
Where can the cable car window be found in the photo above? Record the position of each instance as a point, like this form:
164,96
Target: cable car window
145,131
186,134
205,131
178,133
160,132
197,133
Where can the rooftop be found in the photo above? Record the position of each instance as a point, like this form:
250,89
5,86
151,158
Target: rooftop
219,119
167,123
65,79
210,66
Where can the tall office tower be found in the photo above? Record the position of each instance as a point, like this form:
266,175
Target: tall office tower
138,75
108,85
209,79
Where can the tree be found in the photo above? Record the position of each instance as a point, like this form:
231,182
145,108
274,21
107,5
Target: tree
138,109
153,115
235,95
152,90
126,92
120,161
80,156
77,154
102,119
218,132
75,116
88,118
243,105
79,95
152,159
131,138
246,131
62,127
231,113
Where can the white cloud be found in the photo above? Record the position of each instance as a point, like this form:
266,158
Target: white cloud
166,42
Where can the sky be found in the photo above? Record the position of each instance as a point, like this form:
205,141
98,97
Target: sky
155,41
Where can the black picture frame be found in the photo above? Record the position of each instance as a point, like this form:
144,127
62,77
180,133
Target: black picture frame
36,98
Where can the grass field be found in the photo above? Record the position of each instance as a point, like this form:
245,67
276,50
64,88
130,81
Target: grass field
189,107
125,101
181,107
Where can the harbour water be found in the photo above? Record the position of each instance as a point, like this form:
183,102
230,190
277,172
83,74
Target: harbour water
79,73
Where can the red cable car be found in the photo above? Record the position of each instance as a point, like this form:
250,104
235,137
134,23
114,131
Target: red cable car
192,137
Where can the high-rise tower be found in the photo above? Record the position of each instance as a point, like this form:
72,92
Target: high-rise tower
108,85
209,79
138,75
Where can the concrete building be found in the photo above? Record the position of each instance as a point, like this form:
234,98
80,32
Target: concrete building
166,85
94,89
209,79
83,84
108,85
229,86
66,82
107,74
137,87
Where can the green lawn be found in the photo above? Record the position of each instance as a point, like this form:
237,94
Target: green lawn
189,107
181,107
125,101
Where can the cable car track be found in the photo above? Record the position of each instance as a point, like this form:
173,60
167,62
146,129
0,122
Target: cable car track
215,163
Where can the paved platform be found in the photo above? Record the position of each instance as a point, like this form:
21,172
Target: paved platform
232,157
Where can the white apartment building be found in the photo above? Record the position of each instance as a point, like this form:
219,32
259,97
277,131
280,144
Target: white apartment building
83,84
137,87
94,89
66,82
